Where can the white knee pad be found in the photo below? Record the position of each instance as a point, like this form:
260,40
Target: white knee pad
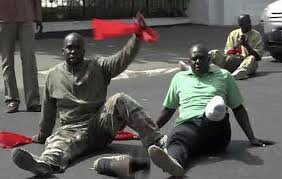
215,109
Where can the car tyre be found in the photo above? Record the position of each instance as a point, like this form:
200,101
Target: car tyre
276,56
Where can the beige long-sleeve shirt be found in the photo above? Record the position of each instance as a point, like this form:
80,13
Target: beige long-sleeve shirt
253,37
77,94
20,10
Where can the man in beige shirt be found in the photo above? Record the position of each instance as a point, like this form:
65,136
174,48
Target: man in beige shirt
16,21
243,50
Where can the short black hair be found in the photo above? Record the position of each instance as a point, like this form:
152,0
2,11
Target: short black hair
199,47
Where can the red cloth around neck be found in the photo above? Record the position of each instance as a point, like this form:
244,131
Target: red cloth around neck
104,29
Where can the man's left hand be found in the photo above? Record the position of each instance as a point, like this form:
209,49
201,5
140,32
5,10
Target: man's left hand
39,26
261,143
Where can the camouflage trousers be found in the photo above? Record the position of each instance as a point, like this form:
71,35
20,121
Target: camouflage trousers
120,110
234,62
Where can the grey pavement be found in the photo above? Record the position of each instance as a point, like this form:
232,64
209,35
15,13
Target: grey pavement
262,99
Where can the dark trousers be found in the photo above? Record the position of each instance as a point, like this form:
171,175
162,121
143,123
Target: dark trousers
198,136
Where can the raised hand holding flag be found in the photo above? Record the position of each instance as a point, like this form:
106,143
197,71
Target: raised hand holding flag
104,29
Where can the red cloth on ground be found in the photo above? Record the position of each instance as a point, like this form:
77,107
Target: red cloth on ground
126,135
10,139
104,29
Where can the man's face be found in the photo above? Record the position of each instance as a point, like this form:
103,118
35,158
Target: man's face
199,61
245,24
73,50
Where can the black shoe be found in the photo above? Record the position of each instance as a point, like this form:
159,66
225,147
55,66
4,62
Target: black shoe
12,107
121,165
30,162
34,108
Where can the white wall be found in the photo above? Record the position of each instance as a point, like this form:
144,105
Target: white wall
234,8
225,12
199,11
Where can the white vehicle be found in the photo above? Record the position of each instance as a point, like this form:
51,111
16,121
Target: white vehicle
271,23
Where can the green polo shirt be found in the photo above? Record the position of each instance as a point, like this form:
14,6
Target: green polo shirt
192,93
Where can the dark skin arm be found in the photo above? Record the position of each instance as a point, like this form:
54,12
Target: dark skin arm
165,116
242,118
244,42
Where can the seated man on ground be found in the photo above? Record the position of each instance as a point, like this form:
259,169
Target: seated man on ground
76,89
202,93
243,50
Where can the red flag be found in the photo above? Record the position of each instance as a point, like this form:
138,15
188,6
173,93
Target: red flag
104,29
10,139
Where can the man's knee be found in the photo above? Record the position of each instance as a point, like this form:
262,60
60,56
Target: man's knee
120,97
212,52
251,58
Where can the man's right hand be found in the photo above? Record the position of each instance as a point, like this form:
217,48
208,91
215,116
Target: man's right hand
38,139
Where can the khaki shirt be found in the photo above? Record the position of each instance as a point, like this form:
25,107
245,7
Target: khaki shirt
77,93
253,37
20,10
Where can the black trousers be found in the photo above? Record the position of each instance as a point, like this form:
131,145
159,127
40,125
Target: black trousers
198,136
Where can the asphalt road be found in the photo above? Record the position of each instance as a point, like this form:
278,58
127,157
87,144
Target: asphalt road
262,99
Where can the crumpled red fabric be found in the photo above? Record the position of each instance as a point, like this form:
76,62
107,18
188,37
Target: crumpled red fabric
11,139
103,29
233,51
126,135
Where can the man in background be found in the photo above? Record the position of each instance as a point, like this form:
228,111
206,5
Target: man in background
243,50
16,21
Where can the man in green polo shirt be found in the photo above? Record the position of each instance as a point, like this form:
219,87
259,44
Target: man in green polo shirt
202,94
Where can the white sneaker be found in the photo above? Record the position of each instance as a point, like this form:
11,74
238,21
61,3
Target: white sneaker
113,165
240,74
163,160
120,165
162,142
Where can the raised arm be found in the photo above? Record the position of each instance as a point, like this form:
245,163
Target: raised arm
118,62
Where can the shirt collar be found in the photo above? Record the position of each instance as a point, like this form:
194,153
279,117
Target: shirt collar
211,70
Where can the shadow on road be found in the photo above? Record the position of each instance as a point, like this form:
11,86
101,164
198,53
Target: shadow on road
237,150
264,73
